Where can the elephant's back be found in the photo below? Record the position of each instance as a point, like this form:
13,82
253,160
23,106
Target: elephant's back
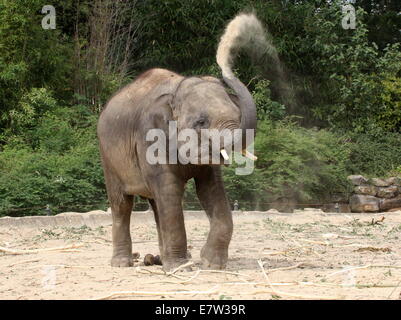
140,90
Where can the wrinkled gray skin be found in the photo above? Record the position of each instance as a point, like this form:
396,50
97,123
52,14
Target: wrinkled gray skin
151,101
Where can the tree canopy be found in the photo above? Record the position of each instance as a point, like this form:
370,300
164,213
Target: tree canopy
329,100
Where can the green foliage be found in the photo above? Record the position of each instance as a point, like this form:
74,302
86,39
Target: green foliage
30,57
178,33
53,82
353,68
266,108
374,155
300,164
70,181
390,116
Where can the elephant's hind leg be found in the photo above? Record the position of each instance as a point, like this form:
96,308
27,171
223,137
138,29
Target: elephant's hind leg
210,190
122,244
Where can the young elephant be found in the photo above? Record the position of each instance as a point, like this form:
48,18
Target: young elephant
155,98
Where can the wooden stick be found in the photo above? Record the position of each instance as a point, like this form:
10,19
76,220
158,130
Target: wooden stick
300,296
160,273
284,268
191,278
177,282
22,262
21,251
281,293
185,265
362,267
226,272
153,293
66,266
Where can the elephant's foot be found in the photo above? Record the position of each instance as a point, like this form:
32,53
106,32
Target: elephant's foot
214,259
121,261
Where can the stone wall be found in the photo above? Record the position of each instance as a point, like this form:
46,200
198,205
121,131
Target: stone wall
375,195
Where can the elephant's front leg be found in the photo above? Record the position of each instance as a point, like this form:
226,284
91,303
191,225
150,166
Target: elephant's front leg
211,193
168,192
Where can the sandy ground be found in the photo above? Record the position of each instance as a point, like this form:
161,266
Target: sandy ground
305,256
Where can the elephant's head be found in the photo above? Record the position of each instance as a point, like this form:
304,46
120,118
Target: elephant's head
204,103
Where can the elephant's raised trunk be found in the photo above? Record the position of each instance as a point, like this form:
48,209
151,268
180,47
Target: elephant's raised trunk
248,111
244,31
245,101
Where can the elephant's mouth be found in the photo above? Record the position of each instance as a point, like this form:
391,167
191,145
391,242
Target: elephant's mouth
214,147
223,156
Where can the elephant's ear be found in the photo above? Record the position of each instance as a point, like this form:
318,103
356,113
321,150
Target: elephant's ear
234,98
166,104
165,99
166,94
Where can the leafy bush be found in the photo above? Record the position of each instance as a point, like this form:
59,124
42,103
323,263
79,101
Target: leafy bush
390,116
267,108
354,74
373,154
300,164
63,170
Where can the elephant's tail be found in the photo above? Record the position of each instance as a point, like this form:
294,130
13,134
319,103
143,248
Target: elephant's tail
245,31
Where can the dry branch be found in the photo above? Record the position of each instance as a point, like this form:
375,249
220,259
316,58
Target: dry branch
281,293
22,262
67,266
226,272
154,293
363,267
183,266
22,251
285,268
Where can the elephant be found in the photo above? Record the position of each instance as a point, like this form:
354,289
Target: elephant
154,99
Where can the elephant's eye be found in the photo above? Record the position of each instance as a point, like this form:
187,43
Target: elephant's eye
201,123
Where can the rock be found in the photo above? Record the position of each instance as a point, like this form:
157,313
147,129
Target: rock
363,203
366,189
387,192
158,260
357,180
394,210
395,181
380,182
386,204
149,260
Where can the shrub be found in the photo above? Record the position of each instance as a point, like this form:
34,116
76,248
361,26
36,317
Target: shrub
68,180
302,164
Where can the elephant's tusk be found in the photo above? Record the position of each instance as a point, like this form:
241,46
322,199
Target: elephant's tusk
224,154
249,155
